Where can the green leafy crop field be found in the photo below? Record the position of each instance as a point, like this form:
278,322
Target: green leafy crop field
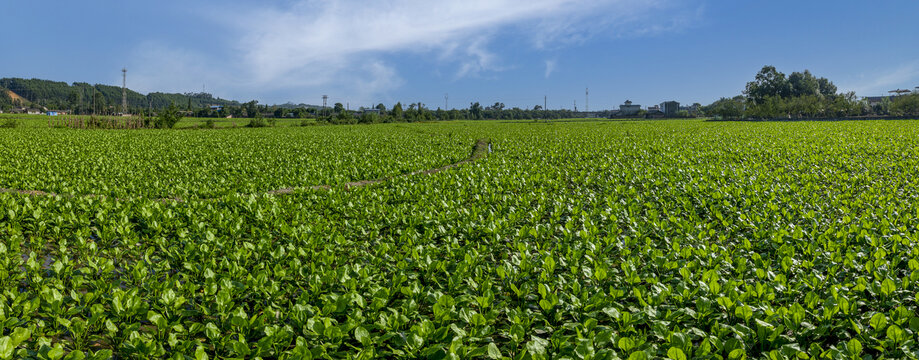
578,240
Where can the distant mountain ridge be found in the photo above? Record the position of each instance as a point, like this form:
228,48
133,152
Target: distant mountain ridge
60,95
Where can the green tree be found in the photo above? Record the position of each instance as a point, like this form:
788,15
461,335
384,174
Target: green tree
369,118
728,108
251,108
257,120
99,103
768,82
6,102
168,117
803,84
827,88
73,99
338,108
397,112
475,111
907,105
343,117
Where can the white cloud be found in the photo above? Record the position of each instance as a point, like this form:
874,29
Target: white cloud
476,58
550,67
339,45
314,34
323,32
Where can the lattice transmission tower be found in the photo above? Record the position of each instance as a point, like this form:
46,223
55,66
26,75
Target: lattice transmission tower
124,90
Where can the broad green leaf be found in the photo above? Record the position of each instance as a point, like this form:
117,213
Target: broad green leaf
200,353
676,354
895,334
75,355
493,352
639,355
362,335
6,347
878,321
888,287
855,347
20,335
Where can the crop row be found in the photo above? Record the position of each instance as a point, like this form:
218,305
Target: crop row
202,164
584,241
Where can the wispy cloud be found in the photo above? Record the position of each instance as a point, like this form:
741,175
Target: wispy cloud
342,45
550,67
905,75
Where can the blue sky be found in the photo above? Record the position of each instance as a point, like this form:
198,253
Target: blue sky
510,51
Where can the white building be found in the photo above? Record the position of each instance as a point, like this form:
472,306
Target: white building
670,108
628,109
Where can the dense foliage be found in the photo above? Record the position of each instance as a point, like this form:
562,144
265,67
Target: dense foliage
772,95
6,102
629,240
82,97
907,105
168,117
189,164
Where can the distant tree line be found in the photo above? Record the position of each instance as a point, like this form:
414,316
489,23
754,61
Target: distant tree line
801,95
413,112
416,112
83,98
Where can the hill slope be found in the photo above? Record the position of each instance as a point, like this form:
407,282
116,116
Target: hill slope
10,99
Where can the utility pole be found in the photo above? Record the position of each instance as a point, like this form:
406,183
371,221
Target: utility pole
587,99
325,101
545,106
446,101
124,91
575,106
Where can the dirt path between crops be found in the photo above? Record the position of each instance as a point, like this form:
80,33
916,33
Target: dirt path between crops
481,148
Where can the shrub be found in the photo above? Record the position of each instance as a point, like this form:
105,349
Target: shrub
9,124
369,118
168,117
257,122
343,117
